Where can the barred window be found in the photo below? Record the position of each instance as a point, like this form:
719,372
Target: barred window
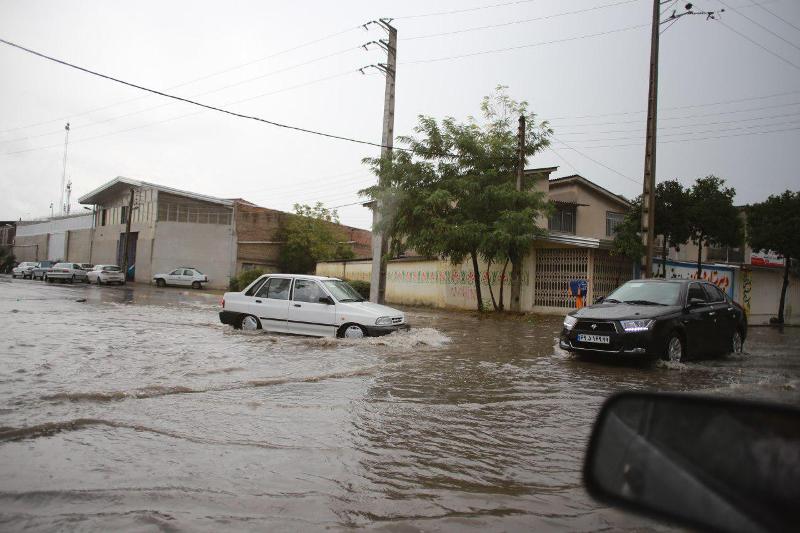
194,214
612,221
563,219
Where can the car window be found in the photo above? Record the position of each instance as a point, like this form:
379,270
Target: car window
713,293
175,272
343,291
188,272
696,291
198,272
306,290
278,288
659,292
255,288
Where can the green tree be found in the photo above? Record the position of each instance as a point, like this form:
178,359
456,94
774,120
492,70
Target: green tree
671,217
628,234
712,217
774,224
310,235
452,193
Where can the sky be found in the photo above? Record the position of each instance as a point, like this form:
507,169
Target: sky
729,93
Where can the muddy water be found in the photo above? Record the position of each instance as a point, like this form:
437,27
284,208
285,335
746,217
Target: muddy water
137,410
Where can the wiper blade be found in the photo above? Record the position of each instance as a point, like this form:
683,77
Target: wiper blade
642,302
611,300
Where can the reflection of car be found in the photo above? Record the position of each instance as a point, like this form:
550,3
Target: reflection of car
105,274
672,319
41,268
185,276
308,305
66,272
23,270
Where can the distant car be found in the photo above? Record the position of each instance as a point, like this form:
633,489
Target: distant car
40,269
101,274
674,319
86,266
308,305
23,270
183,276
65,272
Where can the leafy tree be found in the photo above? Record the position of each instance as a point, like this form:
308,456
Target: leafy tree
712,217
774,224
7,259
628,234
671,217
452,193
309,236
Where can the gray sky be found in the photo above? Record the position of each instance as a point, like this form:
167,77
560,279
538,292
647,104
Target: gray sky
742,125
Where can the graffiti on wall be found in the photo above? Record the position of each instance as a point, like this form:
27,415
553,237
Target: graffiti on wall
720,276
451,277
747,287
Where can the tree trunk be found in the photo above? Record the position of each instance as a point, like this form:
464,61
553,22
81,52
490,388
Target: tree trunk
476,270
502,284
664,257
783,289
489,282
516,282
700,258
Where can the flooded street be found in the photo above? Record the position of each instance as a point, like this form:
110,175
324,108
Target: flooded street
137,410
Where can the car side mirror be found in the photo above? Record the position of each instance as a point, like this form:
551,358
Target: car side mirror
325,300
599,299
695,302
713,463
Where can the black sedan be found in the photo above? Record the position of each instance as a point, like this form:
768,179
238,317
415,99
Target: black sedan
671,319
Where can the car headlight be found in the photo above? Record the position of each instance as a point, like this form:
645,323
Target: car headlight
636,325
569,322
384,321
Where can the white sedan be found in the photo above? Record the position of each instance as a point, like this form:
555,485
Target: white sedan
66,272
24,270
308,305
101,274
183,276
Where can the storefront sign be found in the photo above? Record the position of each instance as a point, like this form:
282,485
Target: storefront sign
767,258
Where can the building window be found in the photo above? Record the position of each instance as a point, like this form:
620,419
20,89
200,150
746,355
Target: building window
123,214
563,219
612,221
103,217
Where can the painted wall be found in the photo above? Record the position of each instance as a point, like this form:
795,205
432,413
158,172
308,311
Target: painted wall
591,217
207,247
761,292
79,245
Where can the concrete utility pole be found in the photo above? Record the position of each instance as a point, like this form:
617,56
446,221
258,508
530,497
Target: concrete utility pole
516,263
377,289
64,171
649,183
127,237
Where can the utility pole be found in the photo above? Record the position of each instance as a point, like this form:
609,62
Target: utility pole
377,289
649,183
127,237
64,171
516,261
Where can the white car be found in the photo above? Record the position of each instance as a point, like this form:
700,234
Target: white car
308,305
183,276
24,270
101,274
66,272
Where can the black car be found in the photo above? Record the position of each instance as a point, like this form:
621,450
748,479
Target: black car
672,319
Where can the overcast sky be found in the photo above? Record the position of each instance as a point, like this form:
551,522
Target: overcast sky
728,106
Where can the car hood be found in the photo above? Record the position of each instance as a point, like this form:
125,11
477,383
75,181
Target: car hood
623,311
369,308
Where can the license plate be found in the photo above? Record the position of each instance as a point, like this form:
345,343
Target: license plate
600,339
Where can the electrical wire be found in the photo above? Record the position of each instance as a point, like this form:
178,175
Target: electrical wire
466,10
777,16
734,30
768,30
590,158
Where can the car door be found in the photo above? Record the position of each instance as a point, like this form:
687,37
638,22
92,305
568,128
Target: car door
724,322
174,277
698,321
307,315
271,304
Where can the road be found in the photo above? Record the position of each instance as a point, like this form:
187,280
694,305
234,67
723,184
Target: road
134,409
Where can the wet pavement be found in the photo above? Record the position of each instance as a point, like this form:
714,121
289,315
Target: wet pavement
137,410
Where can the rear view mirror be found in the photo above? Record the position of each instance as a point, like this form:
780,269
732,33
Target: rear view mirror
712,463
325,300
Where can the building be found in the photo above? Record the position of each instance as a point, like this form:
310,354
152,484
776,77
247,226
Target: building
61,238
577,246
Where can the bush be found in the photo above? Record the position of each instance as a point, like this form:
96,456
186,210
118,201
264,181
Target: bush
362,287
244,279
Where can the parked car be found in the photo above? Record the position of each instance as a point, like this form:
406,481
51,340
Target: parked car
308,305
86,266
182,276
40,269
101,274
23,270
671,319
66,272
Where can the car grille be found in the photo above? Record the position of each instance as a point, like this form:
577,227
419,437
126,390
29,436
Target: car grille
397,320
601,326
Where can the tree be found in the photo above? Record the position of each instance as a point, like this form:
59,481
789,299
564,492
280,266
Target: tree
774,224
671,220
628,234
309,236
712,217
452,193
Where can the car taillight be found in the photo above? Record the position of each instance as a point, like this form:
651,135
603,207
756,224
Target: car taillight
223,302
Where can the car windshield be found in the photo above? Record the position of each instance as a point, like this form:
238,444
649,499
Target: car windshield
649,293
110,268
342,291
198,272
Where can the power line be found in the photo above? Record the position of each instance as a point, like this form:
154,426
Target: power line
768,30
504,24
734,30
530,45
188,101
466,10
778,16
183,84
590,158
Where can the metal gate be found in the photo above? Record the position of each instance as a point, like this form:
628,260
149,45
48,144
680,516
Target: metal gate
56,243
555,268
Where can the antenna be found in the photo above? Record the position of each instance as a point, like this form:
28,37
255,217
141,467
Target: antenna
69,193
64,171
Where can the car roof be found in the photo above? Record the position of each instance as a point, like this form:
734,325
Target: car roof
304,276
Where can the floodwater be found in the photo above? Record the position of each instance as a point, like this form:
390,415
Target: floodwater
137,410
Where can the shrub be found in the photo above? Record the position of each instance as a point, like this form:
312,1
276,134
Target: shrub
244,279
362,287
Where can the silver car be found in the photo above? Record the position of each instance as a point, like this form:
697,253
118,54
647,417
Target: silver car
66,273
23,270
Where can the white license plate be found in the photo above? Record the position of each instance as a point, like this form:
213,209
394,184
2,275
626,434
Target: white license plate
600,339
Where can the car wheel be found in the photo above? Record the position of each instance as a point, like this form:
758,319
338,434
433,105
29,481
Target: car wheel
196,285
675,349
352,331
736,342
161,283
249,323
98,281
72,279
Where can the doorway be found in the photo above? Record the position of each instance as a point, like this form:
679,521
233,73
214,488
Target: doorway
134,237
